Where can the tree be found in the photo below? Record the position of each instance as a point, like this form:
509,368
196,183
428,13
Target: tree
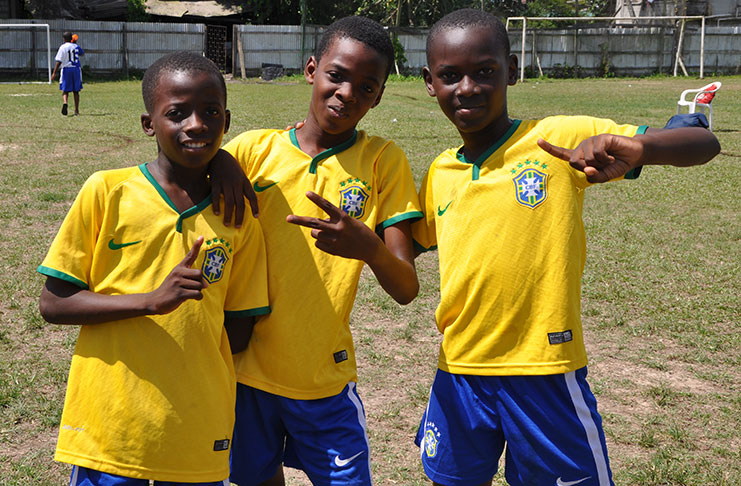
410,13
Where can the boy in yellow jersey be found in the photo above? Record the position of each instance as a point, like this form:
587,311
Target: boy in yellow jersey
505,213
326,192
157,282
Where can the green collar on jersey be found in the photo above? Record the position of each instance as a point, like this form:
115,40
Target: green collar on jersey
476,164
185,214
327,153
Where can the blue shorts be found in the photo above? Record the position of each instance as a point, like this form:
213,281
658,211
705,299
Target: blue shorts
550,425
82,476
70,79
326,438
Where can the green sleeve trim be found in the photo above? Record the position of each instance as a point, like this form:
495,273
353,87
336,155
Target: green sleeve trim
259,311
421,248
414,215
636,171
633,173
50,272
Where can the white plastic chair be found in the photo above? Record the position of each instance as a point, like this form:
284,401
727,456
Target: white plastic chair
702,98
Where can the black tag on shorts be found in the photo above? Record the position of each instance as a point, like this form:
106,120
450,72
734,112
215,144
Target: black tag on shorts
221,445
340,356
560,337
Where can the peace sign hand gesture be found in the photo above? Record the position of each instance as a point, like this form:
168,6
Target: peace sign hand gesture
340,234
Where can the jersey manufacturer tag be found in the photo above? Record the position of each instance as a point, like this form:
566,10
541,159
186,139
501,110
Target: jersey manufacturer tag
560,337
340,356
221,445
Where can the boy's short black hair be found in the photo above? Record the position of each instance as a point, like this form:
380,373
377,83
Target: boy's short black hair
361,29
181,61
466,18
67,36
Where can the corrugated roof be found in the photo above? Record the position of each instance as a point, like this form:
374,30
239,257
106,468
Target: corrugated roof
196,8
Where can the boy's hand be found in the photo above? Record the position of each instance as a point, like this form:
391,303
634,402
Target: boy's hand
181,284
602,157
228,180
296,125
341,234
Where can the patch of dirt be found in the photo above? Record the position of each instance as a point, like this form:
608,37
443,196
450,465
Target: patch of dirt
28,443
8,146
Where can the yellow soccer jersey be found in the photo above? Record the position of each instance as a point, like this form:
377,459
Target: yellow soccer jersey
511,244
153,397
304,349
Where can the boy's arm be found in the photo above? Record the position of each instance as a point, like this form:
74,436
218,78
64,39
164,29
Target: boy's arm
228,180
56,67
64,303
605,157
239,331
342,235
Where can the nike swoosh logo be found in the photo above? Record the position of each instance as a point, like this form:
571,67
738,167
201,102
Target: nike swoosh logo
570,483
117,246
440,212
259,188
344,462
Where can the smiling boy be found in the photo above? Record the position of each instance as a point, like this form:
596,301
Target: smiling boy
326,192
160,288
512,365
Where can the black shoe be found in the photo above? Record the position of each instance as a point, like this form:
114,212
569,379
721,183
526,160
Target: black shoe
64,109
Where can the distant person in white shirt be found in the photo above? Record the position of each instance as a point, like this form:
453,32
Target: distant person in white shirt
70,78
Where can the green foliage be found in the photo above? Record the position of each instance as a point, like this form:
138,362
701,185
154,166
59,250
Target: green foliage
565,71
42,9
399,55
276,12
136,11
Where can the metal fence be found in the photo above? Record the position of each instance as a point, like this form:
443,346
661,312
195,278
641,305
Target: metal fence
120,47
110,47
624,51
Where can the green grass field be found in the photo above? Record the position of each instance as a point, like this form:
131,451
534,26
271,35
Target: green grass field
660,291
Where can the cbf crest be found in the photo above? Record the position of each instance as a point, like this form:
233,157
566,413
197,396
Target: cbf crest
215,258
354,195
530,187
432,437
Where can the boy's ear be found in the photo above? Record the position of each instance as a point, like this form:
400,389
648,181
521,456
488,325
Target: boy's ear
227,120
427,75
512,74
310,70
147,125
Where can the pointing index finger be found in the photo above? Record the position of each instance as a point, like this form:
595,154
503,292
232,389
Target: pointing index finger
560,152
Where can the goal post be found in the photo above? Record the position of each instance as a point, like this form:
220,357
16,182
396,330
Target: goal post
31,50
633,20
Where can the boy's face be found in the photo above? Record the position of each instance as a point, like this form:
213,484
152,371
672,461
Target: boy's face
189,117
348,81
469,73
